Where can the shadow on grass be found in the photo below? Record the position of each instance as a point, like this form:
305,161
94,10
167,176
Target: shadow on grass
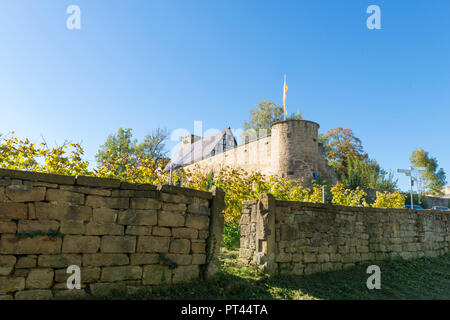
427,278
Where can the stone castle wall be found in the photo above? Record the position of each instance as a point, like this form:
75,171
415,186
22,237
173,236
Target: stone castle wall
292,150
302,238
122,235
252,156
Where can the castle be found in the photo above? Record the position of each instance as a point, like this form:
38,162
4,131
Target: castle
292,150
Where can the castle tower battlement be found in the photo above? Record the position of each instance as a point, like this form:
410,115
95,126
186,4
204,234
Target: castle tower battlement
295,149
292,150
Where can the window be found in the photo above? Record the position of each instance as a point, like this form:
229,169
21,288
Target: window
224,142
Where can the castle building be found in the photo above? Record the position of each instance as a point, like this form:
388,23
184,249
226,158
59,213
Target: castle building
291,150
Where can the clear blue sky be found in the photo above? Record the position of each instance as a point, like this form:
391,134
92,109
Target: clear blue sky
144,64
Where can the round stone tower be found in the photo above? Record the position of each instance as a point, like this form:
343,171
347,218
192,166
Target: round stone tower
295,150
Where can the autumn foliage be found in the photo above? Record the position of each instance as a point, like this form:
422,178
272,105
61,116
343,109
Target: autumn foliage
237,184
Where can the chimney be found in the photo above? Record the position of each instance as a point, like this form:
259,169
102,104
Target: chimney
189,139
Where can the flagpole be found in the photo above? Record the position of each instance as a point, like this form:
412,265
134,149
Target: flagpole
284,97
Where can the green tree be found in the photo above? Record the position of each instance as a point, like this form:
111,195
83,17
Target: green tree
345,153
121,145
262,117
340,145
435,179
154,146
367,174
118,145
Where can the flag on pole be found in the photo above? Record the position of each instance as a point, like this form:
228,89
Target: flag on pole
285,88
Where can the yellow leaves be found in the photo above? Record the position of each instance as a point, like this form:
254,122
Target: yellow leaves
25,155
389,200
240,185
347,197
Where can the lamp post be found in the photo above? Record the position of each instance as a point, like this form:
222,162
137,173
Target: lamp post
408,172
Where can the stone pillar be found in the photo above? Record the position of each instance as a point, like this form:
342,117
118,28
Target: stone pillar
265,234
216,225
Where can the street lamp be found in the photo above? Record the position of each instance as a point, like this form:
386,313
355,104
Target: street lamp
409,173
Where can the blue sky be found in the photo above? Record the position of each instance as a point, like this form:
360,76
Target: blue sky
144,64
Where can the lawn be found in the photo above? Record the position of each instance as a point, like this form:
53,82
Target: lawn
427,278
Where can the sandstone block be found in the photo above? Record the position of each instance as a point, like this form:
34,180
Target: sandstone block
34,295
80,244
72,226
174,198
323,257
112,203
177,207
144,258
180,246
97,182
139,230
40,279
156,274
26,226
2,194
138,217
198,246
199,206
10,244
122,193
8,226
117,244
112,274
170,219
145,203
31,211
94,228
24,262
10,210
24,193
284,257
104,289
153,244
7,260
9,285
309,257
74,294
63,196
197,222
186,233
185,274
59,260
86,190
161,231
105,259
180,259
198,258
104,215
203,234
53,211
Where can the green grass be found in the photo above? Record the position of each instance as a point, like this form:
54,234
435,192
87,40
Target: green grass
427,278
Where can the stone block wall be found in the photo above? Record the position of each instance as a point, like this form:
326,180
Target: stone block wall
122,236
285,237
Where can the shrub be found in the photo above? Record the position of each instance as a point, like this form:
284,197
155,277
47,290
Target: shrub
231,236
347,197
389,200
